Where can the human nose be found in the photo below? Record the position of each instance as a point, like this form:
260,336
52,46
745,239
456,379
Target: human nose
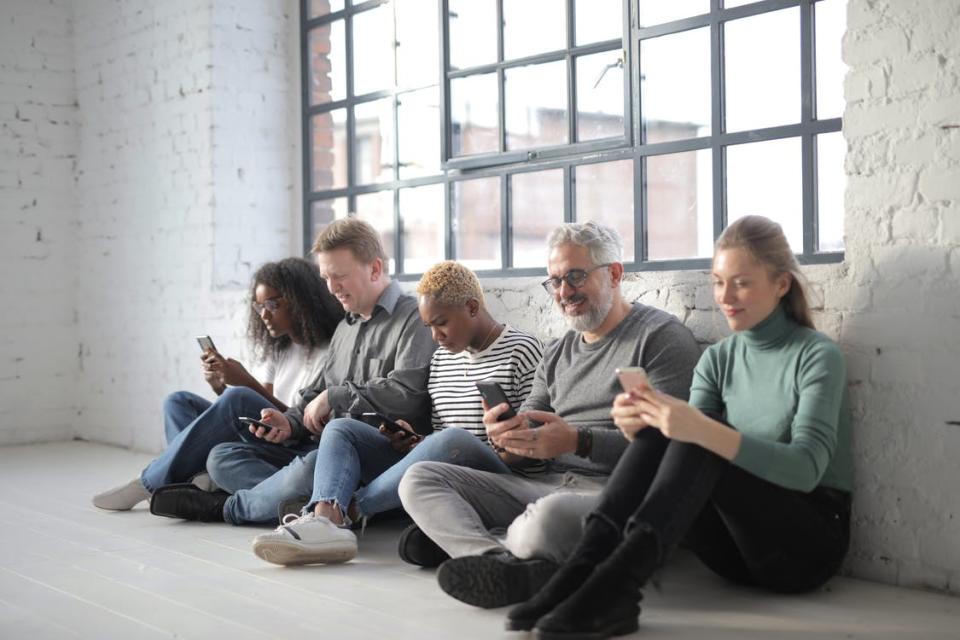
436,334
565,290
724,294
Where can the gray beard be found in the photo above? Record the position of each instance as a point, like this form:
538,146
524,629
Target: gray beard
595,316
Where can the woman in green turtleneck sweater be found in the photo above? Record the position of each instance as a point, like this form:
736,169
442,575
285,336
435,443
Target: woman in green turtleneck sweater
754,473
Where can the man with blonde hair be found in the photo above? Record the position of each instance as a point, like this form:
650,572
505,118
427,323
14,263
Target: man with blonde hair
378,361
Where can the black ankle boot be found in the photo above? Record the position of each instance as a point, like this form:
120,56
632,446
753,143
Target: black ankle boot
608,602
184,500
600,536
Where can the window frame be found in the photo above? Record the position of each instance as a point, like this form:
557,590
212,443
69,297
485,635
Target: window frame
503,164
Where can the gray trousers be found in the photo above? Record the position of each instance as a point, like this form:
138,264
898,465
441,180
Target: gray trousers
470,512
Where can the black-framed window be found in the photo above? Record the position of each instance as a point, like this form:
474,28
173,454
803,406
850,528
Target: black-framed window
466,129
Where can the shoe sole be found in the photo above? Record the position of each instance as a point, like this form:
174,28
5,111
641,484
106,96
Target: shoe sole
486,583
620,628
293,553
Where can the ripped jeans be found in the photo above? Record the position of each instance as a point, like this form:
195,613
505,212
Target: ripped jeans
352,452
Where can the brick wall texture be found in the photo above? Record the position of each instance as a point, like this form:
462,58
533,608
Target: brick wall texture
149,162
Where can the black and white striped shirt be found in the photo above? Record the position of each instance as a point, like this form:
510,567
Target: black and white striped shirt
510,361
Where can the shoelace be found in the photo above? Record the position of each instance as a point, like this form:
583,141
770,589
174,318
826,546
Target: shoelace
293,518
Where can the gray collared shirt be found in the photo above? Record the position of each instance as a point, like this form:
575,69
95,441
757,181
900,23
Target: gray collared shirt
380,364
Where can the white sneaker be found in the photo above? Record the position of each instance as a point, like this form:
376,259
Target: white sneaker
306,539
122,498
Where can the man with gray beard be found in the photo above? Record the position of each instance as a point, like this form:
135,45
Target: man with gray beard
504,534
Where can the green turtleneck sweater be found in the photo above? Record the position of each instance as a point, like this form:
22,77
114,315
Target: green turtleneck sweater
783,387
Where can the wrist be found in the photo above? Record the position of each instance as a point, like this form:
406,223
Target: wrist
584,445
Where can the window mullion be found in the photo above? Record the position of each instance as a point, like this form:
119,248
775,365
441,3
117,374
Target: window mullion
717,98
807,111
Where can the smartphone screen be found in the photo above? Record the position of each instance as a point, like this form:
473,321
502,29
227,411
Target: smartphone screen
494,395
206,344
632,377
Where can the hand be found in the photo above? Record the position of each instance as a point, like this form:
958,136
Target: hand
230,370
402,441
626,415
214,379
552,438
675,418
316,413
281,426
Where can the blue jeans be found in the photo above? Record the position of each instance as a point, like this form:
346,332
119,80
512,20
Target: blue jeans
352,452
186,453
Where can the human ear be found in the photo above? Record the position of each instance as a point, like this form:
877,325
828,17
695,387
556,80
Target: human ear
473,306
376,269
616,273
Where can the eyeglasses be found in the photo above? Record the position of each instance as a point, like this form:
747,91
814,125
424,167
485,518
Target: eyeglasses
270,304
575,278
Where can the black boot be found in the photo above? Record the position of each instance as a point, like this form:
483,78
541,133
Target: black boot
608,603
493,579
600,536
186,501
416,548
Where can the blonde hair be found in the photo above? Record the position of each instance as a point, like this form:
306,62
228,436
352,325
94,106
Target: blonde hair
450,283
763,239
354,234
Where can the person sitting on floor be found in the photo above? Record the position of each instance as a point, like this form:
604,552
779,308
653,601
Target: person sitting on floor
378,361
753,474
473,347
292,316
465,511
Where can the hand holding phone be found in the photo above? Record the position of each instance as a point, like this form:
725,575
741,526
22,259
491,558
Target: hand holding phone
206,344
379,420
253,422
633,377
493,394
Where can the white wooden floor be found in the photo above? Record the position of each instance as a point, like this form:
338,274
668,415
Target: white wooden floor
68,570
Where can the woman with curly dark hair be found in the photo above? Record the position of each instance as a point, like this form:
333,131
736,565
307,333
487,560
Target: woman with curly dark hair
292,317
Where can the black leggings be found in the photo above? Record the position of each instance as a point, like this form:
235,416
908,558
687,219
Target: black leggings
742,527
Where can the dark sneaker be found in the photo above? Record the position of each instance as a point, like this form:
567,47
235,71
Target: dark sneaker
417,548
188,502
293,505
493,579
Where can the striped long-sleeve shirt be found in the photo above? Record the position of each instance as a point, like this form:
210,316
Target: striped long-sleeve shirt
510,361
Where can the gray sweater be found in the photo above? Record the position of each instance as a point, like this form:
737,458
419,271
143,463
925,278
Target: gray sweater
578,381
380,364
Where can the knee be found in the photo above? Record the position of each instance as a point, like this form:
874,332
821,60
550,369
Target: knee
416,479
340,428
221,456
235,396
452,440
176,400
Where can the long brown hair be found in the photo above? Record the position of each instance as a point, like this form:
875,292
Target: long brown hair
764,240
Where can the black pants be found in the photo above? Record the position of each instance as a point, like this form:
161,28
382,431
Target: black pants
742,527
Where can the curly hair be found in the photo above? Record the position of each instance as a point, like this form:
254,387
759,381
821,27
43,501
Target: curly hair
450,283
314,311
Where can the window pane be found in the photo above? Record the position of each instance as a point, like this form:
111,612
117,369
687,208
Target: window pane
377,209
476,222
763,70
373,49
675,86
421,209
831,185
419,115
763,179
598,20
680,205
328,66
536,201
831,16
605,194
373,149
536,105
473,114
473,33
323,212
323,7
600,96
418,43
328,158
533,27
657,11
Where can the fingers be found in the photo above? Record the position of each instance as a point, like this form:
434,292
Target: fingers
496,429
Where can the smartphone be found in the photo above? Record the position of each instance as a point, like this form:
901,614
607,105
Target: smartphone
377,420
250,422
206,344
632,377
494,395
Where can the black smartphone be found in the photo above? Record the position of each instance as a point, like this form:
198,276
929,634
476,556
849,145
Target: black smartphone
379,420
254,422
206,344
494,395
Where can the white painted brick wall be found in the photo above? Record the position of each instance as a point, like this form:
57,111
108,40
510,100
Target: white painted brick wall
38,151
187,153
